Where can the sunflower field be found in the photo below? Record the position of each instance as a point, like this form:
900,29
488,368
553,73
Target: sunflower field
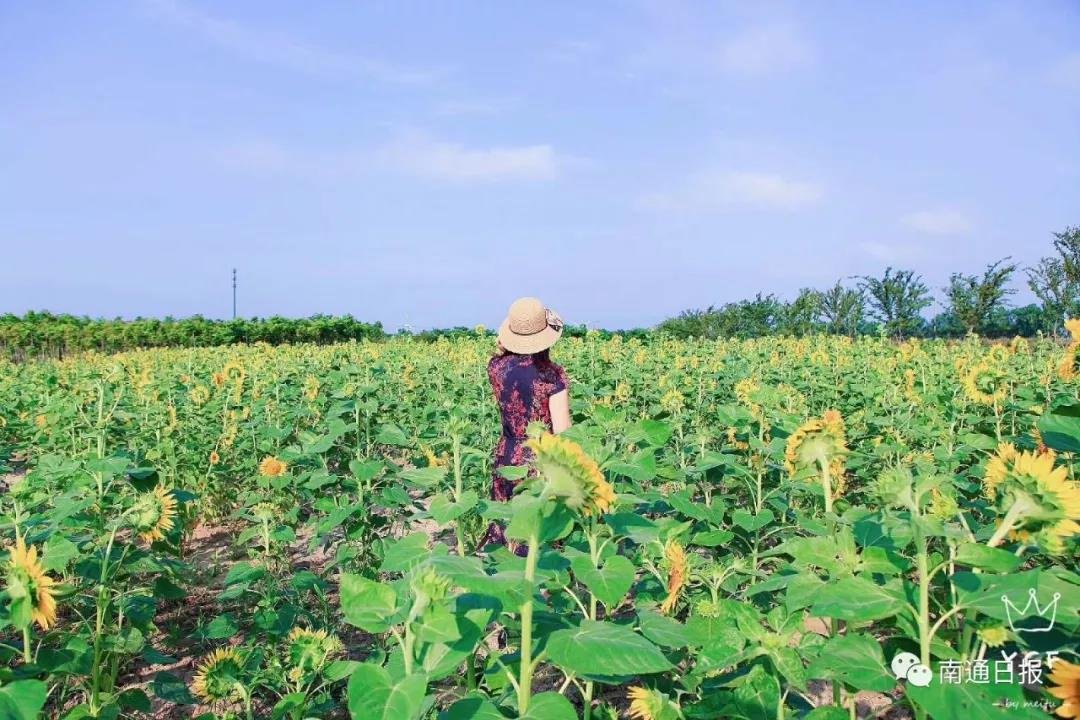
818,528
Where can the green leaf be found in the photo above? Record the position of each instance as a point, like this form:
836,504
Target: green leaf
424,477
857,600
475,707
401,554
987,558
472,615
662,630
170,688
1061,429
610,583
828,712
790,665
750,522
712,538
134,699
443,510
392,435
59,551
803,591
288,705
550,520
719,632
367,604
854,659
756,698
605,649
654,432
339,670
221,627
984,592
22,699
549,706
373,695
631,525
972,701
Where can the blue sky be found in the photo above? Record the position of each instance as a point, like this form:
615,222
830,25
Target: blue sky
426,163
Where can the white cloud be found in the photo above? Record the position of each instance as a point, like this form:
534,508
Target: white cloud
281,50
765,50
728,190
893,253
420,155
413,154
939,222
1067,72
468,108
268,158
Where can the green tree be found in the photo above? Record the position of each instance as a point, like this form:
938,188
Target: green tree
973,299
841,309
800,316
897,300
1067,244
1055,280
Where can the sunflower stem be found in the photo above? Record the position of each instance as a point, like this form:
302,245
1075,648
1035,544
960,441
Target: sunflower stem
826,485
27,656
925,633
1008,524
525,684
459,489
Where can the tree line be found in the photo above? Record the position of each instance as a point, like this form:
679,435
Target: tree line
42,334
894,304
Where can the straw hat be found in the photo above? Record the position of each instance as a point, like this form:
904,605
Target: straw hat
529,327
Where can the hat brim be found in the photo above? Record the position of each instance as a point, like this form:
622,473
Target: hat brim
527,344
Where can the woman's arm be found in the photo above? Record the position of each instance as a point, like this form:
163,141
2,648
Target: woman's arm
559,404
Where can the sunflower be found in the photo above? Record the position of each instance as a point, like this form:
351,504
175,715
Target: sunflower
678,571
264,511
199,395
233,370
943,506
1073,326
994,636
745,389
433,460
308,652
272,467
154,513
311,388
985,383
648,704
26,579
1067,678
219,676
673,401
910,392
1033,496
1067,367
819,443
214,457
571,474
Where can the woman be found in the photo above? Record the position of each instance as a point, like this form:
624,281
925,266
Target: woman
528,386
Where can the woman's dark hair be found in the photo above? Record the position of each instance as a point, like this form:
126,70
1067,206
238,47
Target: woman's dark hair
544,356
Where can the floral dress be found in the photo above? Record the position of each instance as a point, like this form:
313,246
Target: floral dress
523,385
